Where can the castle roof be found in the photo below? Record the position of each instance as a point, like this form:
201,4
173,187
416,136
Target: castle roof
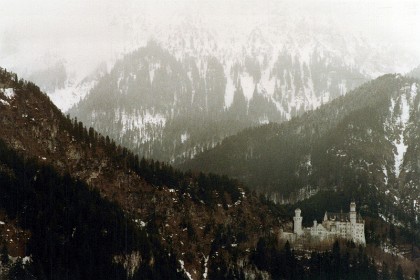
320,227
341,217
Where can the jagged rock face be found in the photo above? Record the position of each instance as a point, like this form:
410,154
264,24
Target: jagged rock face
365,143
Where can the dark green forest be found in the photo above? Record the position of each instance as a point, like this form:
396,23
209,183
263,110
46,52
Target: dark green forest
348,262
199,185
75,233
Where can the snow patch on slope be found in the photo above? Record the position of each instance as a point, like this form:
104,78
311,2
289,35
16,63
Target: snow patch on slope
152,68
248,86
413,93
181,262
385,171
144,122
138,120
65,98
184,137
399,142
229,92
206,259
399,124
8,92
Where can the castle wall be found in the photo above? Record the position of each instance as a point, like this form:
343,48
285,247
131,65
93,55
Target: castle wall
347,227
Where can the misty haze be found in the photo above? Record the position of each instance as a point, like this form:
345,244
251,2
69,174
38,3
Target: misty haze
195,139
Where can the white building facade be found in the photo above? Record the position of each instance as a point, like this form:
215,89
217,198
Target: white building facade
349,226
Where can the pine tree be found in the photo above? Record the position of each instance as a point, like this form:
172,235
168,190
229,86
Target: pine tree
4,256
399,275
385,272
392,234
336,259
18,272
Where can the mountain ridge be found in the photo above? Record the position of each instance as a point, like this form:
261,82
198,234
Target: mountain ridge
193,92
187,211
350,133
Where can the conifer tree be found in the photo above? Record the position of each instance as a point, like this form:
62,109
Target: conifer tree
399,275
4,257
385,272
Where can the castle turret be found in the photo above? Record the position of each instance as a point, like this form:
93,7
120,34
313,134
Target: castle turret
353,212
357,227
297,222
314,231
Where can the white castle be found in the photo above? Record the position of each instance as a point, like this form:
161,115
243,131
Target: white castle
348,226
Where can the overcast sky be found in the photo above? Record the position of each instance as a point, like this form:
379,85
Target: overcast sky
88,31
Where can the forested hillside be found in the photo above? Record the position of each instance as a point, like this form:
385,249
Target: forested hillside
74,233
364,145
199,219
367,127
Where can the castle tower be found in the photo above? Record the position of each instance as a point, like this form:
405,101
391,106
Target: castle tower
353,213
297,222
353,226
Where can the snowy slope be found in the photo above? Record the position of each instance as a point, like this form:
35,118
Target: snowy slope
262,43
254,72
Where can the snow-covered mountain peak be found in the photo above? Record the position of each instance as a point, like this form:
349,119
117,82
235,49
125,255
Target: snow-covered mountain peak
255,34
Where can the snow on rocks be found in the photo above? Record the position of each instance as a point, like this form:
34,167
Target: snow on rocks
27,260
248,86
5,103
184,137
152,68
413,93
71,94
206,259
139,120
230,89
140,223
399,142
385,171
8,92
181,262
397,124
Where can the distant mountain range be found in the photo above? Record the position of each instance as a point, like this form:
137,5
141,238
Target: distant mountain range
190,87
